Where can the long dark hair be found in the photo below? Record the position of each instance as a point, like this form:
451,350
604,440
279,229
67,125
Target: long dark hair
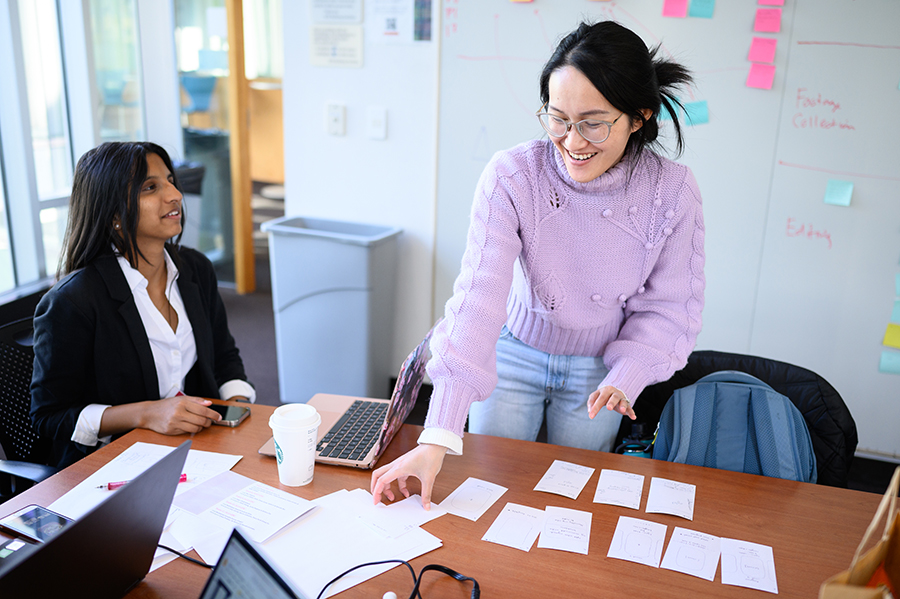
628,74
106,192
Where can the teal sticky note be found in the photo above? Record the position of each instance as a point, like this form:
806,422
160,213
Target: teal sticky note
895,313
664,114
839,193
702,8
697,113
897,284
890,362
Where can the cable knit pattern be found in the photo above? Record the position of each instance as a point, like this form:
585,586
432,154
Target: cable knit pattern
612,268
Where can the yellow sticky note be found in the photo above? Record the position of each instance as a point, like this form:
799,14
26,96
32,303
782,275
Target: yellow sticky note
892,336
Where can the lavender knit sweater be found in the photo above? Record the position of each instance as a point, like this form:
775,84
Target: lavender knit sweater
612,268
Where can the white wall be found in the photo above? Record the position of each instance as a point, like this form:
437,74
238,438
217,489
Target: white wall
353,178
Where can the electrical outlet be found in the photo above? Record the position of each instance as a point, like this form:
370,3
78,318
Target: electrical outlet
336,119
376,122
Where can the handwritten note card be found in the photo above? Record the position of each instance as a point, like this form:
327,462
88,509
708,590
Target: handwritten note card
472,498
762,49
566,530
671,497
839,193
702,8
619,488
761,76
564,478
517,526
697,113
749,565
892,336
768,20
638,541
691,552
675,8
890,363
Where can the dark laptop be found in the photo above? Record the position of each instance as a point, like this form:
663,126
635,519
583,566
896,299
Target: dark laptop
242,572
105,552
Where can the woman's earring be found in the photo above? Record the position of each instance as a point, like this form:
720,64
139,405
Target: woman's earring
117,226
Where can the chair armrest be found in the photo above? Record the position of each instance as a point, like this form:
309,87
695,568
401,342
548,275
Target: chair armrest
27,470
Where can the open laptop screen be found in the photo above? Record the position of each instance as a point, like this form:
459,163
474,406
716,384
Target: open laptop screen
243,572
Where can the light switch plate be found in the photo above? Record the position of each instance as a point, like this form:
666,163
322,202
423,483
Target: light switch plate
336,119
376,122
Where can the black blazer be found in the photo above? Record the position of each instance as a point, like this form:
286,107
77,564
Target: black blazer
90,346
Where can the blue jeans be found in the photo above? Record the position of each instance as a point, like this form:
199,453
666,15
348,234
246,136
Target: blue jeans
533,383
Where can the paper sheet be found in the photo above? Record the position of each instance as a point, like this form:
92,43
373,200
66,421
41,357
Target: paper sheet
230,500
472,498
671,497
200,466
517,526
564,478
566,530
638,541
330,539
692,552
619,488
746,564
391,521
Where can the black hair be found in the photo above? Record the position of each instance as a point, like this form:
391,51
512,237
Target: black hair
105,193
628,74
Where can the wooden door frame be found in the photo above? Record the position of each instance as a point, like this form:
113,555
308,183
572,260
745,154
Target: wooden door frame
239,151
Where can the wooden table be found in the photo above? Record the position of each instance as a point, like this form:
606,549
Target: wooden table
812,529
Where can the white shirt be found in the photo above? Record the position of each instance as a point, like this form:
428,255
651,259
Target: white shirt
174,352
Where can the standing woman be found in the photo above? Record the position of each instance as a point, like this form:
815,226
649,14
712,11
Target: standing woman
584,258
135,335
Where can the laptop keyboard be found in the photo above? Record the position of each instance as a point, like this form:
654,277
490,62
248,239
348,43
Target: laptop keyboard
355,433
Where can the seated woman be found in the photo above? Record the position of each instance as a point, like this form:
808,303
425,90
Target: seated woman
135,335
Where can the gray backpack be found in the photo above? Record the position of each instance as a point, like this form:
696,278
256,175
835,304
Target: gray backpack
734,421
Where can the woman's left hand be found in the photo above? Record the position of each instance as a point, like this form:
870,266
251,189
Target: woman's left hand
613,399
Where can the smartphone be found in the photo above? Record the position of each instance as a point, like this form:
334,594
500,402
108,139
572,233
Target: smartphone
231,415
35,523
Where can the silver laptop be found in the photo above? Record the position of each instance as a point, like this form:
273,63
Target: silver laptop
355,431
105,552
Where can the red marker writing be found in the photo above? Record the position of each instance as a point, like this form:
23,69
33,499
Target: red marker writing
116,485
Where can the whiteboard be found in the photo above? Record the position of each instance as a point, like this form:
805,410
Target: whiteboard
789,276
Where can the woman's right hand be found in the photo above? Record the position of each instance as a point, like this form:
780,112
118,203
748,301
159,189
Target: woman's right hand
170,416
424,462
179,414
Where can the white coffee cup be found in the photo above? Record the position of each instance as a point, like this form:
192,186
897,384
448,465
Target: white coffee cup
295,427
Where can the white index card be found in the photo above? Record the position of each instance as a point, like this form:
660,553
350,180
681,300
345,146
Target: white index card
564,478
619,488
746,564
671,497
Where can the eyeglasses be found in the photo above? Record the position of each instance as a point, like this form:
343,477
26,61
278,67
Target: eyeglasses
593,131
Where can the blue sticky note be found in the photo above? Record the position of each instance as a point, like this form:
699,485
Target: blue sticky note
702,8
890,362
664,114
895,314
697,112
839,193
897,284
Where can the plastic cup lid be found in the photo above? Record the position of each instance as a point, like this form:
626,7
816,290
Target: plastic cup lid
294,415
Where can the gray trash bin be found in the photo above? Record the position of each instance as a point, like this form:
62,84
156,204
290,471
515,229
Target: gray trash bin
333,289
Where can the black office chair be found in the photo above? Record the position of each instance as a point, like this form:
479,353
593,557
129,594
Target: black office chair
24,453
830,423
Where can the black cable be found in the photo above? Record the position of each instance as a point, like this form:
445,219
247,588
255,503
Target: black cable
387,561
188,558
476,590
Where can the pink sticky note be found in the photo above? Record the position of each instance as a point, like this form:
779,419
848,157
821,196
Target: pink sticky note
771,2
762,49
768,20
761,75
675,8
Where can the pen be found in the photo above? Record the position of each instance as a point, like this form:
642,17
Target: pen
116,485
